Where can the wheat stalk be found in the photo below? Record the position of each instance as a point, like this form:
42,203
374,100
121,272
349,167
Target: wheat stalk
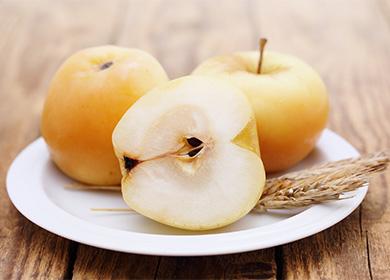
78,186
321,183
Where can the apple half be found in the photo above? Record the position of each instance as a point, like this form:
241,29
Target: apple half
189,154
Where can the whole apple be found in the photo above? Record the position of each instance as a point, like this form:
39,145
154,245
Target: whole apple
87,97
289,99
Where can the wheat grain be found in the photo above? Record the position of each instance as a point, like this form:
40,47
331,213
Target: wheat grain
320,183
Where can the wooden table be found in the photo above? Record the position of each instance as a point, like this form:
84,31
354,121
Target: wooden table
348,42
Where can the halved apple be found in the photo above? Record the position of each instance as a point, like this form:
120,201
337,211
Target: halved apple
189,154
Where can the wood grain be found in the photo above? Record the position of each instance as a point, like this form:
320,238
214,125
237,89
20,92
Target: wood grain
93,263
36,37
252,265
349,47
177,51
347,42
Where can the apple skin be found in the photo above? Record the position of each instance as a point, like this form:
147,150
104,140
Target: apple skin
289,100
87,97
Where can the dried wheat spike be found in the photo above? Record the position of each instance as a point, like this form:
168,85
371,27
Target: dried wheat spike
320,183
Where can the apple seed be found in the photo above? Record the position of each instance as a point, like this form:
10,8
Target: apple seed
130,163
194,142
194,152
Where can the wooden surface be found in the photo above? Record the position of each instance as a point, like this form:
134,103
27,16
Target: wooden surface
348,42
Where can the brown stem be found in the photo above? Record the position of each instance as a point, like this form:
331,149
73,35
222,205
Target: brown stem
262,43
77,186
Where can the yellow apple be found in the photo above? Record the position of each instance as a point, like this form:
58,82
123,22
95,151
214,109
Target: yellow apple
288,97
87,97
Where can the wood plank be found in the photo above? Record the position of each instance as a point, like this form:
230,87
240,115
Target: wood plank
94,263
376,99
185,34
348,44
182,31
36,37
253,265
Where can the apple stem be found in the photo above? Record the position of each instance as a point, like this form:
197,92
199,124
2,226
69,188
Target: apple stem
262,43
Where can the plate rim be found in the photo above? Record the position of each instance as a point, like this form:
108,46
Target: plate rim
248,236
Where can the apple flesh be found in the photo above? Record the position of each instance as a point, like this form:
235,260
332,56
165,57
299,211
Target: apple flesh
288,97
87,97
189,154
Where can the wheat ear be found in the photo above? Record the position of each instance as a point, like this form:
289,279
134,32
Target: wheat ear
320,183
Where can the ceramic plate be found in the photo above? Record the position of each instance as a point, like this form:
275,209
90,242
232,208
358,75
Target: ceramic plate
36,188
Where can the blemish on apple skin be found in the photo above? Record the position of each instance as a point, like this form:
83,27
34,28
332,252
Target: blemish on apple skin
106,65
130,163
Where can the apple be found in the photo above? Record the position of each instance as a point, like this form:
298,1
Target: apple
189,154
288,97
87,96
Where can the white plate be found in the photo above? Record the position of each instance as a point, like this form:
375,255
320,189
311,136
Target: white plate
36,188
